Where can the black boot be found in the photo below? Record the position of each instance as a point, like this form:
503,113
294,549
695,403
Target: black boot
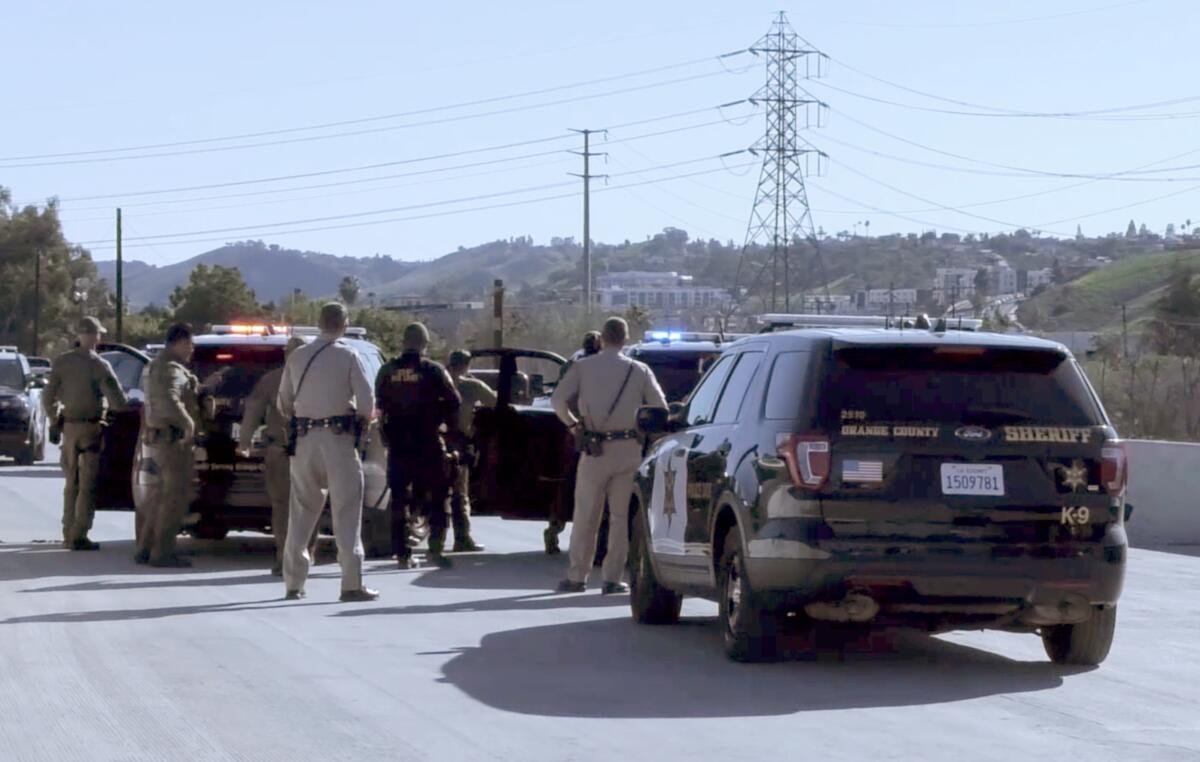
437,544
84,543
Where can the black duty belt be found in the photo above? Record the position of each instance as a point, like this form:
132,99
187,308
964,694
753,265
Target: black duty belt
81,420
152,435
612,436
339,424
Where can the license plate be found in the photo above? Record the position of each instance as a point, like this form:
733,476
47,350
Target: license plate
972,479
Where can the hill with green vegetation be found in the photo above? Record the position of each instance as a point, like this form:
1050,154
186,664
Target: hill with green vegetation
1093,301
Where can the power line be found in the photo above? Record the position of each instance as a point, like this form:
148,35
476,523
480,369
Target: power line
340,183
1019,112
1098,115
1130,175
997,22
320,196
374,130
392,210
378,118
431,215
943,207
418,159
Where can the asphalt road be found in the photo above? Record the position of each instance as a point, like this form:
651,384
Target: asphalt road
101,659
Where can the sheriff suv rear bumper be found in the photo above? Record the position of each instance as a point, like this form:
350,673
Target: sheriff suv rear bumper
937,583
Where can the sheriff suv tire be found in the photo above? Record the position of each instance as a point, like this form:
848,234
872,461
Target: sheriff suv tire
749,628
649,601
1083,644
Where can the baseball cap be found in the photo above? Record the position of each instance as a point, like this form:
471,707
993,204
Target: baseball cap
89,326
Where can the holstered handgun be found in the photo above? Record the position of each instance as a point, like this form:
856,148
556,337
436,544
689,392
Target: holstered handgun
56,429
289,440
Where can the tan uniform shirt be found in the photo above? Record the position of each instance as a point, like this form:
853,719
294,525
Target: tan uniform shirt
336,383
595,380
261,408
81,381
474,393
171,396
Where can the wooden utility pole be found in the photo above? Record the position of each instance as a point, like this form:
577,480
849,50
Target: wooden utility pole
1124,333
37,299
498,312
120,285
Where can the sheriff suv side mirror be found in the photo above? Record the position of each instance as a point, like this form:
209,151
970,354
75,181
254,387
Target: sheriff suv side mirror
652,420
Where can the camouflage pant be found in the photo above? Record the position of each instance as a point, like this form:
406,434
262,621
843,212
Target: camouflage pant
163,518
81,466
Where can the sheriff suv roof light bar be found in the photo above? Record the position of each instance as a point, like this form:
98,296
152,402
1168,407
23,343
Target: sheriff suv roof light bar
666,337
259,329
783,321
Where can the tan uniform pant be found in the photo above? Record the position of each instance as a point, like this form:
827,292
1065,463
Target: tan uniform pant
609,476
164,519
81,466
325,461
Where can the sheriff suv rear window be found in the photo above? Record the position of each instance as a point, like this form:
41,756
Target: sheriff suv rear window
677,372
232,371
952,384
10,374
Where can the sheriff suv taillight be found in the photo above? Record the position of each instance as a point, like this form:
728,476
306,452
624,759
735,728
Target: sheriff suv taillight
1114,467
807,457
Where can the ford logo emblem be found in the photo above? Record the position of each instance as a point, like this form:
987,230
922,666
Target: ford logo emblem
973,434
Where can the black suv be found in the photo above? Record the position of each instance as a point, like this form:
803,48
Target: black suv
22,422
231,491
943,480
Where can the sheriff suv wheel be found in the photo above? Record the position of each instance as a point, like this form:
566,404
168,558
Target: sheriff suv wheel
649,601
1084,644
748,627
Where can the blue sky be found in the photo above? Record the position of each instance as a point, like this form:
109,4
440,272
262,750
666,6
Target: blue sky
100,76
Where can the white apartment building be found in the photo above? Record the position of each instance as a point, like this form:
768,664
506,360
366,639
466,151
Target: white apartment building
656,292
953,283
1035,278
1005,281
899,300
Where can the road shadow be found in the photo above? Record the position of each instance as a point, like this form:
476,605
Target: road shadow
44,559
529,570
122,615
539,602
40,471
614,668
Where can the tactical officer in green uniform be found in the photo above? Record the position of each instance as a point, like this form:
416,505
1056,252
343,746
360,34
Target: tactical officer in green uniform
261,409
474,394
81,381
169,425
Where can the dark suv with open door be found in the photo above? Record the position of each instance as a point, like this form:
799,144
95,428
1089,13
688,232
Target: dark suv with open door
943,480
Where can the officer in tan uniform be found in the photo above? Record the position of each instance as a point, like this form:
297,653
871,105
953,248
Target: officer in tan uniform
261,410
169,420
610,388
327,398
474,394
589,347
81,381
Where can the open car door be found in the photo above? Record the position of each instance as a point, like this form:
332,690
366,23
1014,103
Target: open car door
118,443
526,466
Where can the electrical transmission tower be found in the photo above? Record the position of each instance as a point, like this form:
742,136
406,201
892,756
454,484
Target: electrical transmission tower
781,213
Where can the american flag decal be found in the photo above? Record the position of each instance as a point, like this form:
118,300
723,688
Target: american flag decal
862,471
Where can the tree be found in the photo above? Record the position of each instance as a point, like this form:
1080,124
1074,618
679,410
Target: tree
1176,325
31,239
214,295
982,281
1131,231
348,289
